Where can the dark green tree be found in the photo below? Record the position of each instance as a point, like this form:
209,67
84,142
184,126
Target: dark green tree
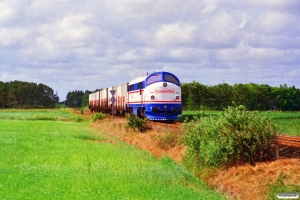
19,94
197,96
3,95
85,98
74,98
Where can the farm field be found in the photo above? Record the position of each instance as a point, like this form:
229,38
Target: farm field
288,122
46,154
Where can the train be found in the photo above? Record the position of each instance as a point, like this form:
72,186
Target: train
156,96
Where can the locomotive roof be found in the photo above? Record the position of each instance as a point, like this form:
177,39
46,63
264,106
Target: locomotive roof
142,78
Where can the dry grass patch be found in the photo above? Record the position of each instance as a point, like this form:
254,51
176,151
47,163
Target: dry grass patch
157,140
252,182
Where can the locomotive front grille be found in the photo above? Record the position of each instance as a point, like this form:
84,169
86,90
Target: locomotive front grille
166,110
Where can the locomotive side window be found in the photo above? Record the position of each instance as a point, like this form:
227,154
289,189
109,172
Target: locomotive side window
171,78
135,86
140,85
154,78
130,87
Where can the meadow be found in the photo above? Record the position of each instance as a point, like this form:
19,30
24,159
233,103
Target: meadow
46,154
287,122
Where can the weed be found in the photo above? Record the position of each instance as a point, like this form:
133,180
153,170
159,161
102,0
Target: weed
99,116
78,119
87,137
279,186
167,141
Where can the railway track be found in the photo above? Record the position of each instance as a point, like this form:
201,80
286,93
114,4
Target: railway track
288,140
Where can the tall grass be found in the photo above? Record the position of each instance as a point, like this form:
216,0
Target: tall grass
44,159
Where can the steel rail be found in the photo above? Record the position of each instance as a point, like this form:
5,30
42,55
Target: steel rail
288,140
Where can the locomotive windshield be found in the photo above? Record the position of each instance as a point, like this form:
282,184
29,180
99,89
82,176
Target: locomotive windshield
171,78
166,77
154,78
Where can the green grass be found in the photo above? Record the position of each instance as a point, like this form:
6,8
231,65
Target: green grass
47,159
279,186
37,114
288,122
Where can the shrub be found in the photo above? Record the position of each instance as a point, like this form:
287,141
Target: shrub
236,136
136,122
190,117
98,116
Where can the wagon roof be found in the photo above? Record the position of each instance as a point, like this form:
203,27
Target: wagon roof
137,80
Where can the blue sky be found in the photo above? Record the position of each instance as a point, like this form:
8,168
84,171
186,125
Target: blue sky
88,44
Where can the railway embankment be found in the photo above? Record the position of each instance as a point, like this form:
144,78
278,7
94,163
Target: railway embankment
259,181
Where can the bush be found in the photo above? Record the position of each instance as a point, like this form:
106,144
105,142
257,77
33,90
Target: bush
98,116
136,122
236,136
190,117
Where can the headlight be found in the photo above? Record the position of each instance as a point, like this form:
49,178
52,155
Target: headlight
152,97
165,84
177,97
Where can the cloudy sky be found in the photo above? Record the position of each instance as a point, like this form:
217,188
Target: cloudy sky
89,44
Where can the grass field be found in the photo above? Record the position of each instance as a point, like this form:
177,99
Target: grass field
36,114
44,154
288,122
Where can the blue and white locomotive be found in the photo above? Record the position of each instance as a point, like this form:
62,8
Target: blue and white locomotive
156,96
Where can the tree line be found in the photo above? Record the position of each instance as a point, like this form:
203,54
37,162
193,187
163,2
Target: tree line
19,94
196,96
77,98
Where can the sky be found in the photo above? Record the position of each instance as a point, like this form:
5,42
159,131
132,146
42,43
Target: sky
91,44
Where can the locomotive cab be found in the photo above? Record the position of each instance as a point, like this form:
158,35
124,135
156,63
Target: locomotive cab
156,96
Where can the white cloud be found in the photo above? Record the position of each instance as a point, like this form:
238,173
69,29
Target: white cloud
175,34
272,22
12,36
281,4
222,29
209,8
72,29
74,44
130,55
5,11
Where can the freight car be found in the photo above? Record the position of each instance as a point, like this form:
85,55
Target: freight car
156,96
